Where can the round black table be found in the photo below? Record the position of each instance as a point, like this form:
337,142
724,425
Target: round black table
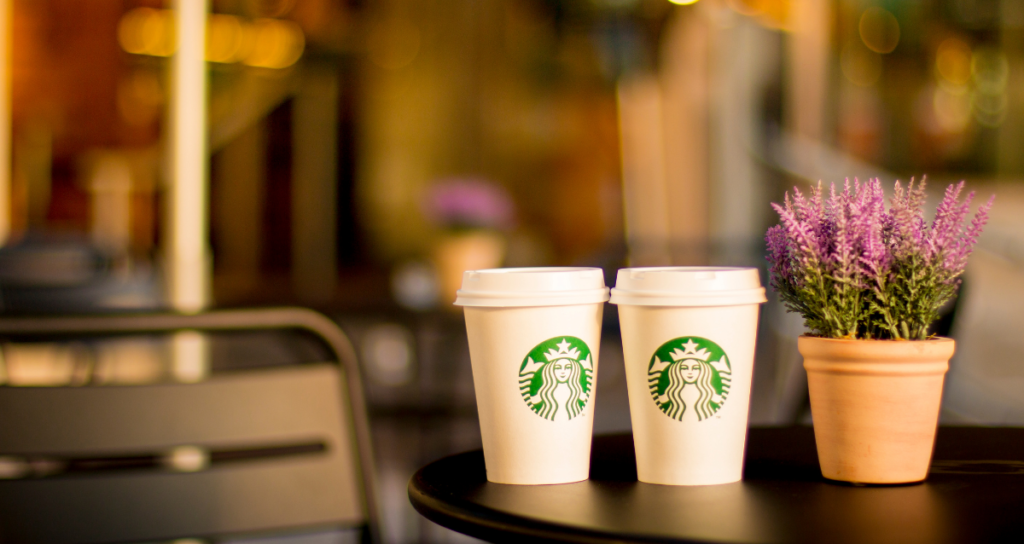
974,493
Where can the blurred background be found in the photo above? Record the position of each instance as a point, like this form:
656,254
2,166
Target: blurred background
356,156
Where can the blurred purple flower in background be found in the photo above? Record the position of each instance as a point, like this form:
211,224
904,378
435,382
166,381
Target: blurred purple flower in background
469,203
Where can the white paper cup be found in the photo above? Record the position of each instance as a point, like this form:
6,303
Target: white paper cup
688,338
534,335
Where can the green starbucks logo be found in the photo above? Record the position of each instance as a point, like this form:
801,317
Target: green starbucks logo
689,373
556,378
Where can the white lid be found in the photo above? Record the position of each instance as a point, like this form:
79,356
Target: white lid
504,287
688,286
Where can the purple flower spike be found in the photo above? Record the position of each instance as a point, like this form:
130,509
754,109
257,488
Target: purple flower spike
855,270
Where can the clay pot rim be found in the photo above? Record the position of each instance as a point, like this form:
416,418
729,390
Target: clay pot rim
878,340
881,351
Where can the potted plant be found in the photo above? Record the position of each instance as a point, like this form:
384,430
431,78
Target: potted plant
869,282
473,215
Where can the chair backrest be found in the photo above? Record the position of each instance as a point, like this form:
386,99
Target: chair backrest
242,452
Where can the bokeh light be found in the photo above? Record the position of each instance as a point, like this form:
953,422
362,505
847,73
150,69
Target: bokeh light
990,109
263,43
774,14
224,38
879,30
747,7
953,61
140,97
860,66
147,31
389,354
275,8
276,44
990,71
129,34
952,108
394,43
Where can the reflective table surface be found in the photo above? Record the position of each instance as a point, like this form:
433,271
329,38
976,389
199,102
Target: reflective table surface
974,493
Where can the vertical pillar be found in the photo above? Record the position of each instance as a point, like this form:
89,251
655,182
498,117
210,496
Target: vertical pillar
314,185
642,145
1010,162
686,101
808,67
6,32
110,188
186,254
745,59
238,211
665,156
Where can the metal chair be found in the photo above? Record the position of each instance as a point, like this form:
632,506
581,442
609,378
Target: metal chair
241,453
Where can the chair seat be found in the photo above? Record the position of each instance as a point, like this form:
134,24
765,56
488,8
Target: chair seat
254,451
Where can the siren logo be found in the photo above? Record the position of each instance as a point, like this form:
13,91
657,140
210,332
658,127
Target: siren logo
689,376
556,378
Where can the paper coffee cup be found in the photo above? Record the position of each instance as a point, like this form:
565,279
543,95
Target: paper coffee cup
688,338
534,335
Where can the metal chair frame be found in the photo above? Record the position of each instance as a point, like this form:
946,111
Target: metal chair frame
64,327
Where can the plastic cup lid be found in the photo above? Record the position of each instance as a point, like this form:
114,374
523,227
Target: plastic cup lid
688,286
507,287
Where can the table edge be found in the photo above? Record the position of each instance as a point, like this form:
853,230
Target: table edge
496,526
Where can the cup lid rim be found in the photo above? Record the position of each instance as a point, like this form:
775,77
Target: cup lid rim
532,286
688,286
537,269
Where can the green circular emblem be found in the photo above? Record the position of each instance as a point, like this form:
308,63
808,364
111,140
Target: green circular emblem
556,378
689,373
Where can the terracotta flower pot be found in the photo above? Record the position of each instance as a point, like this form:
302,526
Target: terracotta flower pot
875,405
458,252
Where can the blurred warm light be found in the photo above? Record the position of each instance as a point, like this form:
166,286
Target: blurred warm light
859,65
224,38
990,109
140,97
276,44
389,354
394,43
12,468
953,61
990,71
147,31
952,107
42,364
276,8
683,2
747,7
129,33
773,14
187,459
414,285
879,30
128,361
263,43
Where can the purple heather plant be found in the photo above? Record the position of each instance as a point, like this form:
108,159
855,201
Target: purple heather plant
855,270
469,203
